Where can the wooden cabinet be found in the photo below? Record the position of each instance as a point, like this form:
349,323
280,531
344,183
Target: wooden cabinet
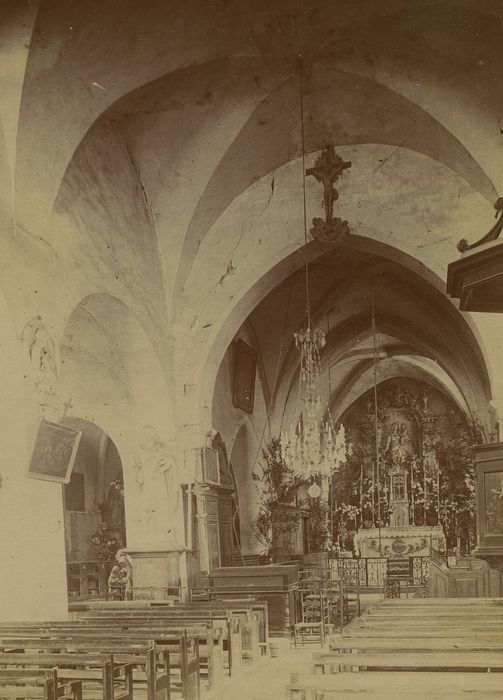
272,584
288,532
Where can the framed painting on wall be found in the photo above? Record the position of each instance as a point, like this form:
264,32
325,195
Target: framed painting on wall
245,367
54,452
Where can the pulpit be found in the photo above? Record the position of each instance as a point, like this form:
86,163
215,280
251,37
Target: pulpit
489,500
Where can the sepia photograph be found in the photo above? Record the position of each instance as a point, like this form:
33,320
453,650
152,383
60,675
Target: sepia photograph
251,330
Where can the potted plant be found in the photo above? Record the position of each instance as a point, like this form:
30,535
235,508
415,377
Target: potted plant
277,486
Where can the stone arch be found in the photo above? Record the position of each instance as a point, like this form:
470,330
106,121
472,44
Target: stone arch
314,251
113,376
93,508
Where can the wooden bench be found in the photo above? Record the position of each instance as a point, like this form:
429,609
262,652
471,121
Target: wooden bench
229,626
253,618
37,684
90,669
455,627
260,607
442,602
231,605
416,661
439,616
397,645
406,632
157,662
394,685
213,637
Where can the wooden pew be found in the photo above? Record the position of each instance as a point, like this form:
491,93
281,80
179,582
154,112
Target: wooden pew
90,669
430,625
87,665
157,664
382,684
37,685
397,645
417,661
252,625
231,605
253,617
440,615
61,638
238,607
166,632
229,625
407,633
426,605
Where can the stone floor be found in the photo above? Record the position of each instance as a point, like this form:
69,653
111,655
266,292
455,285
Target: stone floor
268,679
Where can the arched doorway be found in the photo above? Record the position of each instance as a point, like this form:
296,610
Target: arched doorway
93,501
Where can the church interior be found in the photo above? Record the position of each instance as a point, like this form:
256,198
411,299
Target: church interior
250,302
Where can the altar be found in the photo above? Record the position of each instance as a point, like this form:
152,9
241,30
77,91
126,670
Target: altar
399,541
400,538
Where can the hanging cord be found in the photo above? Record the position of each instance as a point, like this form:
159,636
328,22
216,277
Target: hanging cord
306,258
330,427
304,205
376,420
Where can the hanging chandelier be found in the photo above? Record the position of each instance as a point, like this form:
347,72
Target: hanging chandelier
312,448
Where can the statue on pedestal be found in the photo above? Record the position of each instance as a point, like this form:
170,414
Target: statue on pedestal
120,580
398,447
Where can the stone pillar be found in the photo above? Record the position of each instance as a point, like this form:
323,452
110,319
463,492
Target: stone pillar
32,539
32,544
154,511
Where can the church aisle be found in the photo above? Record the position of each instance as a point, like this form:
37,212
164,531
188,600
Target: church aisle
268,679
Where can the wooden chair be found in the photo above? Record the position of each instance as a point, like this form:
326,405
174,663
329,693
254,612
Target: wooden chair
312,626
37,684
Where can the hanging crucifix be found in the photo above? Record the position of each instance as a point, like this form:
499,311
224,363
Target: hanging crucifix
328,168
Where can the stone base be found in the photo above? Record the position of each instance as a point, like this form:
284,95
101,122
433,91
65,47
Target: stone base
156,573
411,541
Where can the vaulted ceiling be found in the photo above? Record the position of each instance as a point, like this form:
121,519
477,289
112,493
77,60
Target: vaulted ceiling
153,150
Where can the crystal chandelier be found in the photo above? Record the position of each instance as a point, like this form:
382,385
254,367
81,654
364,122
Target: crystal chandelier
312,449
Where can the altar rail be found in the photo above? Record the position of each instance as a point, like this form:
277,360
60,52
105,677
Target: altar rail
371,572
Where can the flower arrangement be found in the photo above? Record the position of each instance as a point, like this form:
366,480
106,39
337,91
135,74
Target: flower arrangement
117,485
106,547
277,486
